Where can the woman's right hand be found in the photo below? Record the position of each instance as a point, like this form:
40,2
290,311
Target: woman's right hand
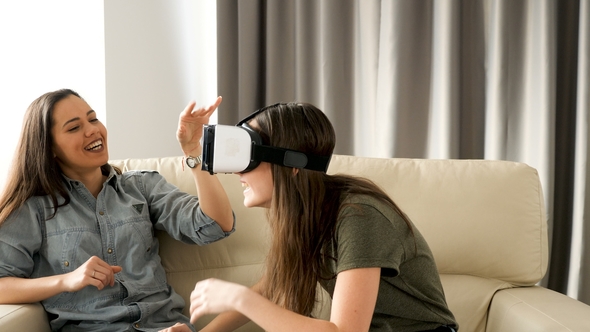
190,126
213,296
94,272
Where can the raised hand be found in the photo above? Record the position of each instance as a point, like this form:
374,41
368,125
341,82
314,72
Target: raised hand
190,126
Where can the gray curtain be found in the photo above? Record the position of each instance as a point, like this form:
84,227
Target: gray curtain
484,79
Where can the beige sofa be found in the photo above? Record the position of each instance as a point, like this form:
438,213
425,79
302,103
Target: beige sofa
484,220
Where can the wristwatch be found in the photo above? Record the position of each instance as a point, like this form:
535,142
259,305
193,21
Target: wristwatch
192,162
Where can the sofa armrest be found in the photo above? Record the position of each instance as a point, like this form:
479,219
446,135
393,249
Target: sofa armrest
23,317
536,309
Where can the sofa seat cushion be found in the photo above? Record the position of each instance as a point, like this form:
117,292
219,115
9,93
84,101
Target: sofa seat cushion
23,317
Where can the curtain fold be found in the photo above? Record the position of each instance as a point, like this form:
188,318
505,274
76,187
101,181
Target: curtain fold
565,124
486,79
580,268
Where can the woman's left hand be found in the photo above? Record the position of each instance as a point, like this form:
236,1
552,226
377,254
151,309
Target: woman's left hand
213,296
190,126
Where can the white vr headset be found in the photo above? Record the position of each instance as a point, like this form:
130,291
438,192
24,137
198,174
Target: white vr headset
239,149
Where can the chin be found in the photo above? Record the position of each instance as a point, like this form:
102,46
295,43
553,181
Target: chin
251,204
105,157
106,161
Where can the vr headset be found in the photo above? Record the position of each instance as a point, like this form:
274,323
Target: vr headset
239,149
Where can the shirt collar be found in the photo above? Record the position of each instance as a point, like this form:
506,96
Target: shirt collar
107,169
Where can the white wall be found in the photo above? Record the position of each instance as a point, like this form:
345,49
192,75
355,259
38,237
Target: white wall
160,55
137,63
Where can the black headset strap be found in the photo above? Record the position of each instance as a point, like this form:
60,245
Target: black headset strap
290,158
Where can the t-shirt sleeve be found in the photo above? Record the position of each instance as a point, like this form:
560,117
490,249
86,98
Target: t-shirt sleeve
366,238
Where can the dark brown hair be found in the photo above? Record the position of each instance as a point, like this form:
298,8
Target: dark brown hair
305,205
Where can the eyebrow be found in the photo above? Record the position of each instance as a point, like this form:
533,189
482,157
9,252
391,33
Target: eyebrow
77,118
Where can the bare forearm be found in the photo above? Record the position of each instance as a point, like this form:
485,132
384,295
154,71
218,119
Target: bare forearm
213,199
22,290
273,318
353,304
226,322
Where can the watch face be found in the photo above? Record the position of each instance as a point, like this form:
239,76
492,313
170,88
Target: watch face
191,162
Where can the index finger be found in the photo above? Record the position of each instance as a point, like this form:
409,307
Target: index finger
216,104
211,108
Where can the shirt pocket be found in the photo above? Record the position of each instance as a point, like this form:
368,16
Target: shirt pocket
69,248
66,250
137,250
134,235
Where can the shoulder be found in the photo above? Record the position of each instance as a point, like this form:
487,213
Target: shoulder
362,200
367,204
148,182
30,213
359,211
139,176
139,173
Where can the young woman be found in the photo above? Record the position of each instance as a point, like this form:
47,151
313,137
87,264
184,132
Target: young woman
339,231
78,235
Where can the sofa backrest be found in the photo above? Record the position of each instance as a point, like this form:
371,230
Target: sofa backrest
484,221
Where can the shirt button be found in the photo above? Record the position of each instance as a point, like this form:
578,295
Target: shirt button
136,325
110,250
101,213
66,263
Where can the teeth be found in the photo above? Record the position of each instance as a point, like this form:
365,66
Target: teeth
245,185
94,145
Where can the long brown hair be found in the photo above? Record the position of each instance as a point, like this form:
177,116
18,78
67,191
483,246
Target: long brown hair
305,205
34,171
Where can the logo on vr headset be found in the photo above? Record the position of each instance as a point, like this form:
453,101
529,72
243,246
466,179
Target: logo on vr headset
232,147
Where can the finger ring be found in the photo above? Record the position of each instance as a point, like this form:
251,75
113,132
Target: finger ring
93,272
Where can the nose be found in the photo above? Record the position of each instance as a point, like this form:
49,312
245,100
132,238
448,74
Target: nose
91,130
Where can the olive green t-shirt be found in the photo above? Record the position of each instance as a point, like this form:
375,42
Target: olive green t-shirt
369,233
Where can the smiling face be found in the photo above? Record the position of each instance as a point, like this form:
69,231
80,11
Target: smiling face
258,186
79,138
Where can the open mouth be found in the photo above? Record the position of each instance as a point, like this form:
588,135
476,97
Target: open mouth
96,145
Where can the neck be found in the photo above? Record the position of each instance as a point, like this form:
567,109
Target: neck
92,180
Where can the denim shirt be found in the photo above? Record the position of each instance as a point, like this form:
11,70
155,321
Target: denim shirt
117,226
